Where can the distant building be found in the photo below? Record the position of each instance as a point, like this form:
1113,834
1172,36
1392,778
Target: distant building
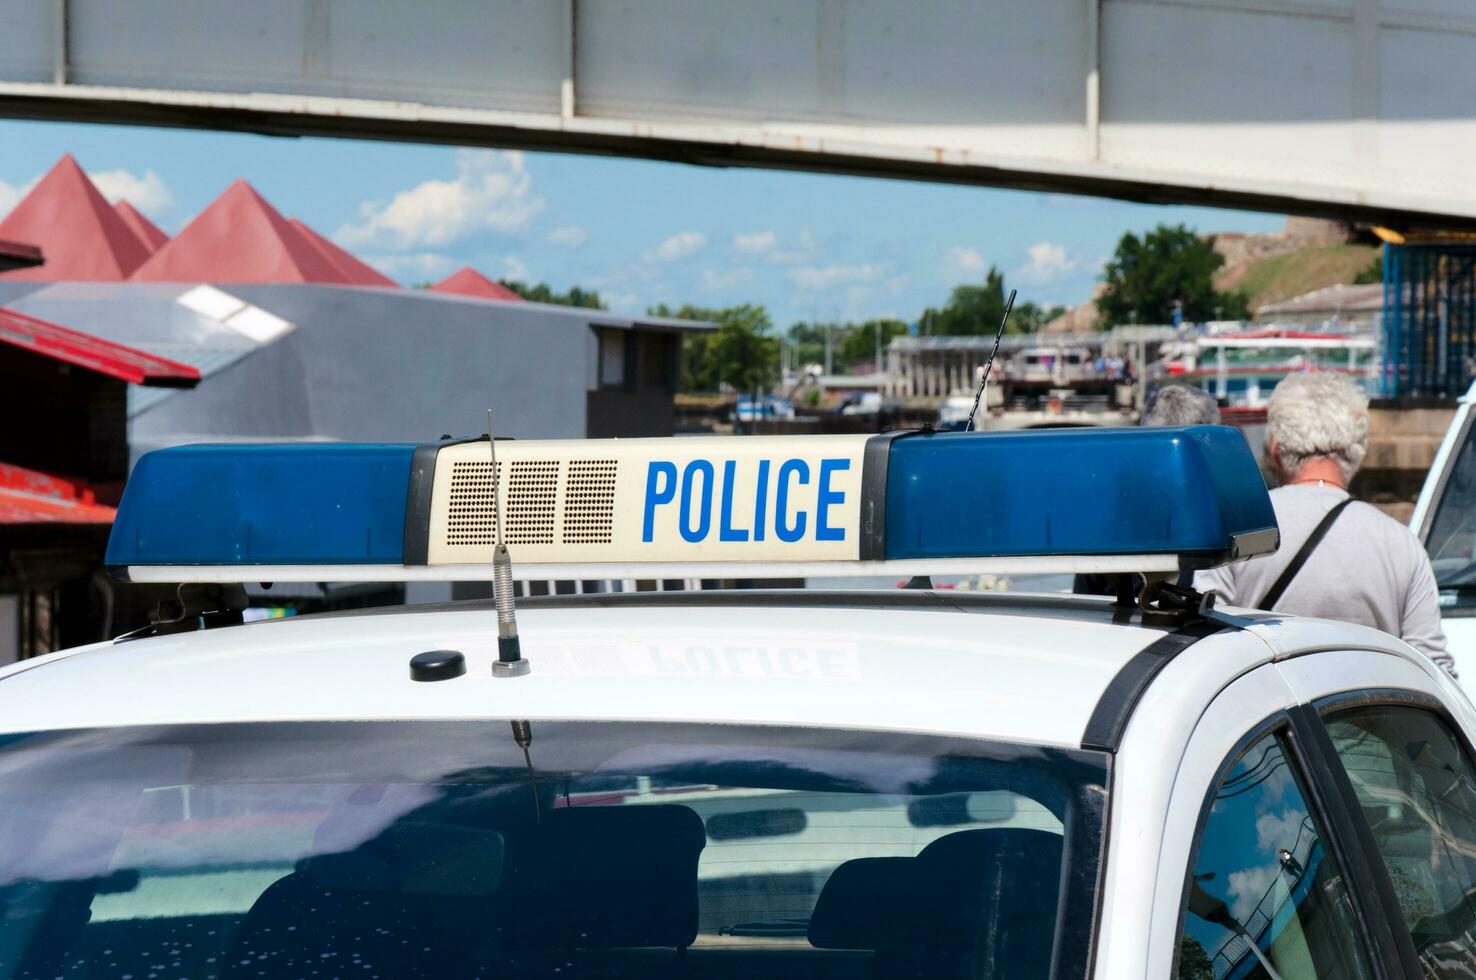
1351,308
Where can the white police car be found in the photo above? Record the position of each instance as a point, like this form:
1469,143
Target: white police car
723,785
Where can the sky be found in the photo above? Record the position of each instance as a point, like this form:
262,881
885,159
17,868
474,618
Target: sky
806,246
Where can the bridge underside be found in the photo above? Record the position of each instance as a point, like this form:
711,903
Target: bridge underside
1352,109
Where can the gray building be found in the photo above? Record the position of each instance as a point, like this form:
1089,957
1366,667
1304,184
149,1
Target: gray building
304,361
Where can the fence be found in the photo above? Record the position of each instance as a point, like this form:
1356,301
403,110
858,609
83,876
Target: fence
1429,320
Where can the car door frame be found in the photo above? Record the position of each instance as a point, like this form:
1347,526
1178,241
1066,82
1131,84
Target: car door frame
1196,785
1389,680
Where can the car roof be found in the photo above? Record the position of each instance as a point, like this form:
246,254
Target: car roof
1019,668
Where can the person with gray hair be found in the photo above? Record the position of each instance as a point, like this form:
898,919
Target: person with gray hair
1339,559
1179,405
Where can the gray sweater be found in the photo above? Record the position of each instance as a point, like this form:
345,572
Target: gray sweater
1369,569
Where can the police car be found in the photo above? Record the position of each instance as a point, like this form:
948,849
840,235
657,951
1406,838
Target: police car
829,786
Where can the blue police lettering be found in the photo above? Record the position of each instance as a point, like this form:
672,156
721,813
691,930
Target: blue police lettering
691,533
786,531
655,496
826,497
692,488
726,530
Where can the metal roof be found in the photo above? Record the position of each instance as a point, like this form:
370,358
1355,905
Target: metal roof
19,255
93,353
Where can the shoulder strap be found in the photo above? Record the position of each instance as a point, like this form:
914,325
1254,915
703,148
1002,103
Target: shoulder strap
1300,558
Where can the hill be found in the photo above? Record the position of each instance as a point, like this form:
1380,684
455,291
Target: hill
1279,277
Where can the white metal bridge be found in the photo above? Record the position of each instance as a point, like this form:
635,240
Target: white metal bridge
1360,109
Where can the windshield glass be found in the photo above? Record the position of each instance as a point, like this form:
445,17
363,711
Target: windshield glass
1452,538
398,850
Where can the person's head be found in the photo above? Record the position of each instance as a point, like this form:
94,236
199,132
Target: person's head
1317,416
1179,405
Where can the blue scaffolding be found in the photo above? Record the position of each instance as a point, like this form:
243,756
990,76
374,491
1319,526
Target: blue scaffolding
1429,320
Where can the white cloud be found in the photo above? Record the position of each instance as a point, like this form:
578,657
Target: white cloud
1247,888
755,242
515,268
492,191
623,302
966,260
717,280
414,267
569,236
682,245
1277,830
10,195
831,276
147,193
1046,262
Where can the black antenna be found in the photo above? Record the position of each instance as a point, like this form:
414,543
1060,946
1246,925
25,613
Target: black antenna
984,381
509,662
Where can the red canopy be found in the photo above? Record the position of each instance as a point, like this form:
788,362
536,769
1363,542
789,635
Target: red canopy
353,270
469,282
29,497
239,238
81,234
94,353
147,232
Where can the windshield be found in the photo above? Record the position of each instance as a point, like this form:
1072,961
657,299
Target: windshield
1452,538
397,850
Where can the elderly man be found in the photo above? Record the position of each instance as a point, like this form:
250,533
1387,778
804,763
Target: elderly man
1339,559
1177,405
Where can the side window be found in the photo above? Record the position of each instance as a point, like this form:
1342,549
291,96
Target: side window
1266,897
1417,790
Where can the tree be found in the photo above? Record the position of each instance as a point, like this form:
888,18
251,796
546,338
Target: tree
1374,272
807,341
544,293
740,353
1146,277
862,343
1194,962
970,310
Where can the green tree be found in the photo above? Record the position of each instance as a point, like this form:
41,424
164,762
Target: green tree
544,293
1147,276
861,343
1194,962
1373,273
807,341
742,352
971,310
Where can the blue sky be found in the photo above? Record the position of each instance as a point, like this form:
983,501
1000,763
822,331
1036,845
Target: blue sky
806,246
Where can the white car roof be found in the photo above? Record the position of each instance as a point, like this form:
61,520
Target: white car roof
1017,668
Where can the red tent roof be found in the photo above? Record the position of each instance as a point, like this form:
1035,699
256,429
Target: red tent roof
239,238
94,353
146,230
469,282
29,497
353,270
81,234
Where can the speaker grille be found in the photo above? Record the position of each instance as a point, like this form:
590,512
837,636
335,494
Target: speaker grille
532,499
473,516
589,501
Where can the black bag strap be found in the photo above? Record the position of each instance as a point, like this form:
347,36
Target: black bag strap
1300,558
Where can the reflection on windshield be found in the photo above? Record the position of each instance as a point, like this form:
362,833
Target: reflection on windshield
1452,538
415,850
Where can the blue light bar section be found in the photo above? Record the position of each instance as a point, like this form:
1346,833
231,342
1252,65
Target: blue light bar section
1074,492
301,504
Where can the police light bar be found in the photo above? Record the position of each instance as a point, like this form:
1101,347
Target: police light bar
900,503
